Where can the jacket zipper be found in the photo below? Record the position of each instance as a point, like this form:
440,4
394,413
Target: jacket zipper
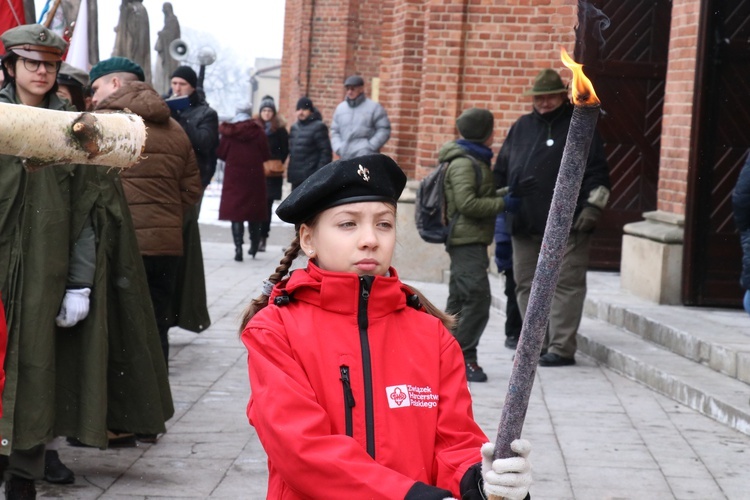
364,294
348,399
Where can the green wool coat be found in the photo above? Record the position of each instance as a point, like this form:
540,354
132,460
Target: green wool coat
107,372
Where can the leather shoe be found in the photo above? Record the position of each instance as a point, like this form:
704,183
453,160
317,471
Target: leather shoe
55,471
511,341
147,438
474,373
552,359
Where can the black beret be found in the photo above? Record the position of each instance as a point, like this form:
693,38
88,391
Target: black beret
116,65
354,81
365,178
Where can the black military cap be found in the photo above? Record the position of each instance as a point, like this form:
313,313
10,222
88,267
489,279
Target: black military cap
365,178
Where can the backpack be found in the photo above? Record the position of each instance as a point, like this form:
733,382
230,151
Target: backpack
430,206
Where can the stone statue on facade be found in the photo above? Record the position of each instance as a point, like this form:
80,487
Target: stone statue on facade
165,63
132,39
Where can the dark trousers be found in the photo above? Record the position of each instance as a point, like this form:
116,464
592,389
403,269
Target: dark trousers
28,464
513,319
567,299
161,273
469,295
266,226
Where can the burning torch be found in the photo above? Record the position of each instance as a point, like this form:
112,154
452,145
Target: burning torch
555,239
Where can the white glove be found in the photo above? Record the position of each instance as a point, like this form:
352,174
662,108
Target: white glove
75,307
508,478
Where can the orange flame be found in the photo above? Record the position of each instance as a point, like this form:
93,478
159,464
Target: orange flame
583,90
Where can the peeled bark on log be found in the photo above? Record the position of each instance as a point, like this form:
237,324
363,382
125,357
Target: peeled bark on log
43,137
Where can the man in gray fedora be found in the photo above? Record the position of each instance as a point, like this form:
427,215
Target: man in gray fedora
534,147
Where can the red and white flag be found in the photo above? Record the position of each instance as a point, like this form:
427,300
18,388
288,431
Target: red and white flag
11,15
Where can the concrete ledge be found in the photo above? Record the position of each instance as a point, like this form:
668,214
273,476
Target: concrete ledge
651,263
415,259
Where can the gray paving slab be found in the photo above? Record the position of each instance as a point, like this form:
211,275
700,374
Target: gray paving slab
595,434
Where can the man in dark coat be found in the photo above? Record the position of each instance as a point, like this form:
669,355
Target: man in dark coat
200,121
201,124
309,145
161,188
534,147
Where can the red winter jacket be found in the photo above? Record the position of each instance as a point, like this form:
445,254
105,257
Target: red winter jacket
329,360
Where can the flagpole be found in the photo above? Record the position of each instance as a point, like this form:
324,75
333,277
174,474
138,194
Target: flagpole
13,10
51,14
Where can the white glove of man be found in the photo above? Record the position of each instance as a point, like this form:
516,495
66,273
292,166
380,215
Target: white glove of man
75,307
508,478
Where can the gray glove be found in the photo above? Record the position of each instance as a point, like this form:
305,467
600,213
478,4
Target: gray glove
507,478
74,308
587,219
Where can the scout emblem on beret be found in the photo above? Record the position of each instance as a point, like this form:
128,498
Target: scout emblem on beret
42,36
364,173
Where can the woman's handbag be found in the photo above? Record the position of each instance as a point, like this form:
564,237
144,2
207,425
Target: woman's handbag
273,168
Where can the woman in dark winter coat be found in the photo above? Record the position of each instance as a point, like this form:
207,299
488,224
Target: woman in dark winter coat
278,141
244,148
309,144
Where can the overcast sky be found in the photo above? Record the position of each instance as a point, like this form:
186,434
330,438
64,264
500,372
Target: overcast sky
254,28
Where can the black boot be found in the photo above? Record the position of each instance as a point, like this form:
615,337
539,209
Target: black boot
262,245
55,471
19,488
238,233
255,232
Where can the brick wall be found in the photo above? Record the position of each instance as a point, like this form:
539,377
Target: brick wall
436,58
678,107
324,41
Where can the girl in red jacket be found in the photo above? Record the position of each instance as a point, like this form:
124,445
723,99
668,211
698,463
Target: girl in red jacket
358,388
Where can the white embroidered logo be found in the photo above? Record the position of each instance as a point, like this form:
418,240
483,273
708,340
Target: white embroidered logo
401,396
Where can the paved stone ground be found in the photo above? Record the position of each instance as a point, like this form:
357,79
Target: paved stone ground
595,435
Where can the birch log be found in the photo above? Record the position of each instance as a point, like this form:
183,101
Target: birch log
43,137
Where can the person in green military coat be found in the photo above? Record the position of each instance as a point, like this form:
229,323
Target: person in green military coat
137,387
62,361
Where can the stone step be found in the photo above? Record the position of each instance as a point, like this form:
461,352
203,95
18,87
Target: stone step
716,338
714,394
696,356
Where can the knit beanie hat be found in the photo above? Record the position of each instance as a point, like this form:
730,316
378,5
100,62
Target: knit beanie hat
475,124
267,102
187,74
304,103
